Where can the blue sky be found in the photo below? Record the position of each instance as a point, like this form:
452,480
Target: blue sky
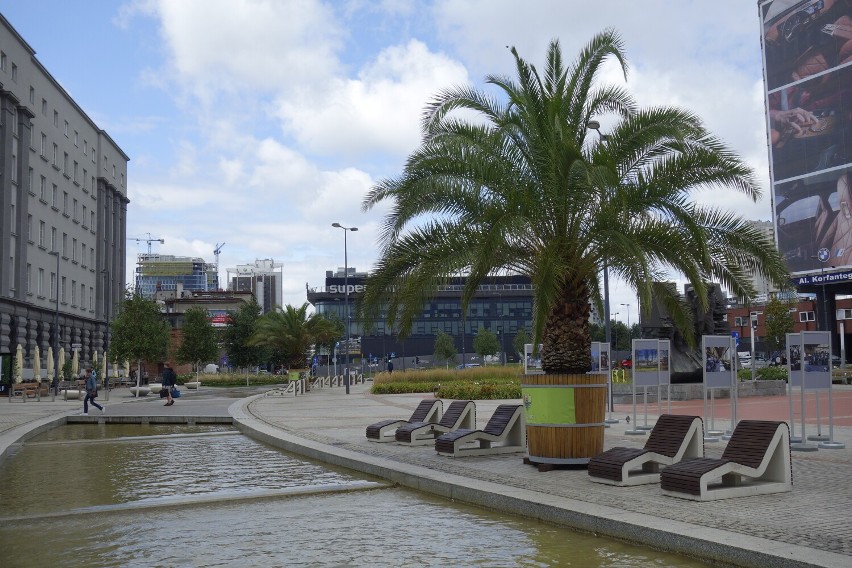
259,123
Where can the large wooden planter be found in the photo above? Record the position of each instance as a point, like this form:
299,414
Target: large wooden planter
564,417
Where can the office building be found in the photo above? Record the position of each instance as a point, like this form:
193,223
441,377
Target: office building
166,272
63,213
502,305
264,278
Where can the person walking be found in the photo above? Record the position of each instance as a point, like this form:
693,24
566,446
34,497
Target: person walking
169,381
91,392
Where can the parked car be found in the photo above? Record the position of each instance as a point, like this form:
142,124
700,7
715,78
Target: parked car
626,364
467,366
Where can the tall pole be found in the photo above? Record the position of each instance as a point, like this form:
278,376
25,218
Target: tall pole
346,299
629,329
56,332
107,312
596,126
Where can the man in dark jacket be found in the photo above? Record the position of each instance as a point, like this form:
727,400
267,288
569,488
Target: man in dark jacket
169,380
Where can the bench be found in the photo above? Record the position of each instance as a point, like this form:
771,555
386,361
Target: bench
756,462
29,390
674,438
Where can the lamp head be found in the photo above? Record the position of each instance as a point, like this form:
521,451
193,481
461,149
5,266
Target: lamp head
353,228
593,125
338,225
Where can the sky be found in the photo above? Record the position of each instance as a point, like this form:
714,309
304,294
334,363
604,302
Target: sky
259,123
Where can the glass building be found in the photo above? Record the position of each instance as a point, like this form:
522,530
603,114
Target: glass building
502,305
163,273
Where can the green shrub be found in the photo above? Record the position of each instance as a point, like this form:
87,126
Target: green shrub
763,374
233,379
479,391
403,388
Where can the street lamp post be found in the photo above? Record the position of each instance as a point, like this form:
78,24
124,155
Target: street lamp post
629,329
107,313
56,331
596,126
346,297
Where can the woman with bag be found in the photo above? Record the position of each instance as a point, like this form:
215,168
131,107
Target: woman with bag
91,392
169,382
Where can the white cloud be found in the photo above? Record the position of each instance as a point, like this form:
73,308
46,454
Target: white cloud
379,111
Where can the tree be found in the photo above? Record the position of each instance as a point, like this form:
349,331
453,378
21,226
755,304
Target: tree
199,341
241,326
519,184
779,322
485,343
139,332
445,349
521,339
290,332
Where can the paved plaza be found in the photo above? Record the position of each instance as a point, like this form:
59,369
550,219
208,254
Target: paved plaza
812,526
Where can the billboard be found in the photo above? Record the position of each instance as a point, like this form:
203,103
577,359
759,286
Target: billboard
807,62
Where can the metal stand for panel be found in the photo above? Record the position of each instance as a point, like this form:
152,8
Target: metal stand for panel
803,446
819,436
831,444
711,435
635,431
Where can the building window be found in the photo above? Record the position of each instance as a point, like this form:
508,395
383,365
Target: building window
75,171
14,159
29,278
55,193
53,239
42,189
806,317
40,283
83,255
14,72
56,118
73,250
92,220
85,147
30,228
53,286
122,180
73,292
41,233
85,177
2,61
65,203
76,138
76,218
93,156
83,296
55,155
92,298
62,295
84,215
43,145
65,163
66,129
65,245
32,95
30,182
92,257
44,107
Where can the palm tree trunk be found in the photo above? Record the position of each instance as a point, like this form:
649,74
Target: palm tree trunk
566,347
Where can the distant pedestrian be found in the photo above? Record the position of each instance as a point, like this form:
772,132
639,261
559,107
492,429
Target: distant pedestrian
91,392
390,366
169,381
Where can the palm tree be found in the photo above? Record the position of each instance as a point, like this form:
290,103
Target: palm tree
526,188
292,332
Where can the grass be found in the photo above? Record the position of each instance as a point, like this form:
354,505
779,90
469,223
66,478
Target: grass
232,379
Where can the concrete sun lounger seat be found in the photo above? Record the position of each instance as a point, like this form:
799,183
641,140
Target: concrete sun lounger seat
755,462
504,433
460,414
429,410
673,439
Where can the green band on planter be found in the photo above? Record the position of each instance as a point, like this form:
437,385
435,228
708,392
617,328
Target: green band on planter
549,405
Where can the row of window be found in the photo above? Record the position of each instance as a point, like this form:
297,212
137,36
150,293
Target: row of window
67,132
42,227
63,296
72,209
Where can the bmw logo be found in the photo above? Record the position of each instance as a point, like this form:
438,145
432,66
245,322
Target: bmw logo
823,254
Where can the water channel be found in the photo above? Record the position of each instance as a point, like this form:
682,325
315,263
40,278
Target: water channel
129,495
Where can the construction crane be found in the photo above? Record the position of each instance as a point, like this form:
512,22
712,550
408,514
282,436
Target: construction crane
216,252
149,240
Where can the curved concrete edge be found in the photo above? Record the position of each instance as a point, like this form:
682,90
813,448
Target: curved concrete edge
709,544
20,434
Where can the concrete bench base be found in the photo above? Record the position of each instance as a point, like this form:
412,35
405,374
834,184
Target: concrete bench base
140,391
70,394
192,385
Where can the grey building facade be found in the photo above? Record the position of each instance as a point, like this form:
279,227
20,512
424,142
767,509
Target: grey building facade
63,213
